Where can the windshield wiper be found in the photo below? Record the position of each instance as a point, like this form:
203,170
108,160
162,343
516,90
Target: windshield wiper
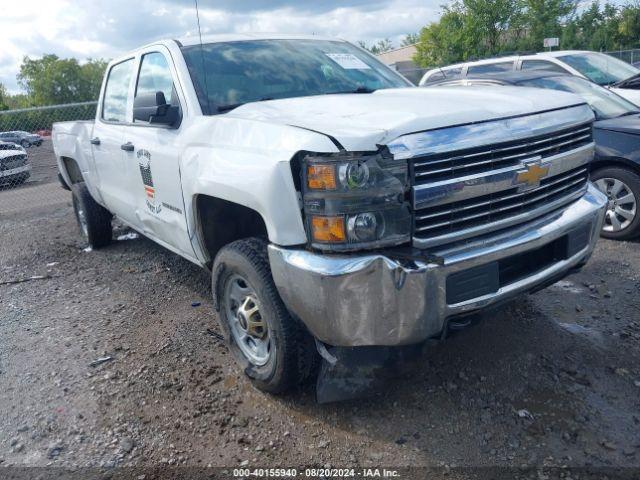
231,106
632,112
360,89
627,81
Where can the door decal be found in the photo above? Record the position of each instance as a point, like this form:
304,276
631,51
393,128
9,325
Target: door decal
144,162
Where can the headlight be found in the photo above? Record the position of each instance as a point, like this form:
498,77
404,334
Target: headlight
354,201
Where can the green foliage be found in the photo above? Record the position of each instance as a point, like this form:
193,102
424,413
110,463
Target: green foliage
410,39
51,80
442,42
43,118
3,98
379,47
543,19
471,29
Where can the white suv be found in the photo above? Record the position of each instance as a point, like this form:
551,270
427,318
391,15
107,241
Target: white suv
600,68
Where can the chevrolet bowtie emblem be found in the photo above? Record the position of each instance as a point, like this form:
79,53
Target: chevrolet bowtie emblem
531,176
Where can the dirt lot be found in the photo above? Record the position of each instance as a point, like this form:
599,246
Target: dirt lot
553,379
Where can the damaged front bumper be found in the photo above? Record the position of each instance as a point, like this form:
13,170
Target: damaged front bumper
372,299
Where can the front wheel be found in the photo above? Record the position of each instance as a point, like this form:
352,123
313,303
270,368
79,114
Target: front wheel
622,188
25,143
273,349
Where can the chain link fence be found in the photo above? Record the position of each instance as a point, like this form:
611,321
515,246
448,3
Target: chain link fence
629,56
28,170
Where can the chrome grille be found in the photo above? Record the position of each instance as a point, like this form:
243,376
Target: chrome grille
14,161
476,213
448,165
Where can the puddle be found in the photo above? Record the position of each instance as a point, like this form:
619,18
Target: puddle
567,286
586,332
128,236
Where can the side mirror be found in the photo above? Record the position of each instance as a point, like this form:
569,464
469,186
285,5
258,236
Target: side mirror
153,108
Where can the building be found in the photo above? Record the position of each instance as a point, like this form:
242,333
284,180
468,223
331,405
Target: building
401,60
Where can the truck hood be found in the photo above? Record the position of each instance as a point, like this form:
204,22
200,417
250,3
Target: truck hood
359,122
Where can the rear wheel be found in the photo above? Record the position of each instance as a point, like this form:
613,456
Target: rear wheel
273,349
93,219
622,188
25,143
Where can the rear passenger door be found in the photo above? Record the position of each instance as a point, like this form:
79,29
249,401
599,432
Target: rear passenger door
154,162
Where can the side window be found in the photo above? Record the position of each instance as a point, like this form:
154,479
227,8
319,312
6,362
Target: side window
155,76
491,67
435,77
114,107
452,72
541,65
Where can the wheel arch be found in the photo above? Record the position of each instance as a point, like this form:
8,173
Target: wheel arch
219,222
614,162
72,173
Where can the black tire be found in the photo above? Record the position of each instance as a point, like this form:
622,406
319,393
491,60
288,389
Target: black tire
292,356
25,143
632,181
96,227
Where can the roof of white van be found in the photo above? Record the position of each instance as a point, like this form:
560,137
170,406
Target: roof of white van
235,37
509,58
560,53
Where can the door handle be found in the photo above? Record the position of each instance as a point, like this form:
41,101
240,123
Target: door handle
127,147
95,141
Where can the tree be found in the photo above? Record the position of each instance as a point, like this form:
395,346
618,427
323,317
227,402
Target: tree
481,28
442,42
3,98
410,39
629,26
379,47
544,19
51,80
486,23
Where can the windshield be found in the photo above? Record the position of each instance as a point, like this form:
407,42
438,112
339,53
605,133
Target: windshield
600,68
232,73
604,103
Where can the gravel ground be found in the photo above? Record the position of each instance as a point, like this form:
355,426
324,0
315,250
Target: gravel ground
552,379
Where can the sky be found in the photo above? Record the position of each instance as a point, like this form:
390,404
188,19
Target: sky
106,28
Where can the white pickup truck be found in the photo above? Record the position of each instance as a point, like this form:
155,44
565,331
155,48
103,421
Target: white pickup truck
331,200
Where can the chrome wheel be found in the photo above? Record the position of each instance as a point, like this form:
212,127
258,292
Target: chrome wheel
248,328
621,206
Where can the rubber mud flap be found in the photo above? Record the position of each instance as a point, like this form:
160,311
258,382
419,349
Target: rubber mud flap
356,372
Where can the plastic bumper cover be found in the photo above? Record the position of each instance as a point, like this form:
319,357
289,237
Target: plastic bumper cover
371,299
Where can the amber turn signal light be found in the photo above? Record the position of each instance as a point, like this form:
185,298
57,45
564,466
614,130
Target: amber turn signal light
321,177
328,229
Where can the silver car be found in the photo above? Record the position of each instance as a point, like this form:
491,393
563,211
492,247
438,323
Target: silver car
22,138
14,166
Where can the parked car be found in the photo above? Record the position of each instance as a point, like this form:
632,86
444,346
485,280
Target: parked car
616,131
600,68
14,166
335,204
44,132
24,139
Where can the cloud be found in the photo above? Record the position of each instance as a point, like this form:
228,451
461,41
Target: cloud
83,29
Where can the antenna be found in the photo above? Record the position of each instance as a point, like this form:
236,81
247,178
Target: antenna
204,70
